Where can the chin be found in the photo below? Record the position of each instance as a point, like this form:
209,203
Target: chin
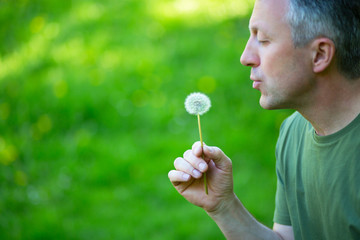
268,107
267,104
264,103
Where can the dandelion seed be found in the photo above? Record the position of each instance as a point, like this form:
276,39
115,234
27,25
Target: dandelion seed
198,104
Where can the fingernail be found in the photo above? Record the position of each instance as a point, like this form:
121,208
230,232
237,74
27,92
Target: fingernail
186,176
202,166
196,173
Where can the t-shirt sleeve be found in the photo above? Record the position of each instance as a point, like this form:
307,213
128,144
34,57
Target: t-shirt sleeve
281,214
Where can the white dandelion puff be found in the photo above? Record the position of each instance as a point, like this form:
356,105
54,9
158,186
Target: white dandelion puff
197,103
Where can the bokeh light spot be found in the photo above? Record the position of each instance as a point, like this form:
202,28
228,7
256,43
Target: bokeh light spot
4,111
88,11
8,152
44,123
60,88
206,84
20,178
70,52
198,12
37,24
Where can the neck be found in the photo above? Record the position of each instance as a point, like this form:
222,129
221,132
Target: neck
335,104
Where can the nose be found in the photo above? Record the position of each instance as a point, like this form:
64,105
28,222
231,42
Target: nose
250,57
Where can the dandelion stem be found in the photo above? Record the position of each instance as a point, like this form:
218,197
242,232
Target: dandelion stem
202,146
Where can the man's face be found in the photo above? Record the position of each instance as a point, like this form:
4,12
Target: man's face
281,72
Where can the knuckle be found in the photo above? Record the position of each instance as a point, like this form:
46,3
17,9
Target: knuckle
197,161
182,165
218,151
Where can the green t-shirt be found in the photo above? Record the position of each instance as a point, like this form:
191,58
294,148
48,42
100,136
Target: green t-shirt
318,189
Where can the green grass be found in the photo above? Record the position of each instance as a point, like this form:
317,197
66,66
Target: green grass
92,118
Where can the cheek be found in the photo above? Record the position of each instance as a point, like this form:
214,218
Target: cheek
270,62
280,65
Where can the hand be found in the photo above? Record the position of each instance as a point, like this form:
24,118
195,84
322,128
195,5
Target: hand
188,181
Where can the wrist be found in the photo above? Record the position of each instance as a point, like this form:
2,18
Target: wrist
225,207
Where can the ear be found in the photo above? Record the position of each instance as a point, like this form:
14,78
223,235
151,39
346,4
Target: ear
323,53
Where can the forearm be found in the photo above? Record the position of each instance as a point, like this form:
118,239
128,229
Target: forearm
237,223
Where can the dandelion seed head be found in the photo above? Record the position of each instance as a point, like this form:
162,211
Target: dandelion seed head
197,103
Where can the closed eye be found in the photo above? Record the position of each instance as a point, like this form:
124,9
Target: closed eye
263,42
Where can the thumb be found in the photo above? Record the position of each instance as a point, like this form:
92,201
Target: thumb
217,155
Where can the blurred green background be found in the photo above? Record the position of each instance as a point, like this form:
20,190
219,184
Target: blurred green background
92,116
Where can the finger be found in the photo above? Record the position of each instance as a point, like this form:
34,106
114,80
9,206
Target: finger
178,176
218,156
196,162
184,166
196,149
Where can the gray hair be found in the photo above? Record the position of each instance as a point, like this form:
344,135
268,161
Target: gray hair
338,20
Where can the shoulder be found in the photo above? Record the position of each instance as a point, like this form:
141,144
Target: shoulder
292,133
294,124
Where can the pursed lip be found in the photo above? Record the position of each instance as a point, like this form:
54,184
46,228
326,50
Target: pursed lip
256,82
253,77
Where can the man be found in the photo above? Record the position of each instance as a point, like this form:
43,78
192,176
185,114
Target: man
304,55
